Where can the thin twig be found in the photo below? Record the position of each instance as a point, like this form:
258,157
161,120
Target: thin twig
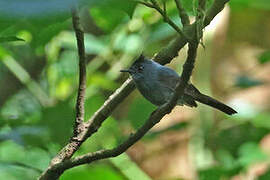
79,125
164,8
82,75
145,4
78,128
202,5
182,13
166,18
200,20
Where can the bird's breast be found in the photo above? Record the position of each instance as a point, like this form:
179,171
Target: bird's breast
156,94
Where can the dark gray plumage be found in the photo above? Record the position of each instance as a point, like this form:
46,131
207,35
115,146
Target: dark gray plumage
157,84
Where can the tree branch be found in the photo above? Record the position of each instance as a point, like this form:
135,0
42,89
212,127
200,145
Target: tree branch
79,125
154,118
145,4
91,126
182,13
216,7
82,75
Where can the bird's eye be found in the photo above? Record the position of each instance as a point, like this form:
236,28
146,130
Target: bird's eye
140,68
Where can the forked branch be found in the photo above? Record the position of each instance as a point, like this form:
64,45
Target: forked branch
62,161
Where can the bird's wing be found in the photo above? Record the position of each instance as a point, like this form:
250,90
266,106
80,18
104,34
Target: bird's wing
167,77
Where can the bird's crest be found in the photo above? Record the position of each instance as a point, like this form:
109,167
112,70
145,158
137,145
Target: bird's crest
139,60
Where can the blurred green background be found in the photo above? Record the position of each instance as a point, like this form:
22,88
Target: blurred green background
39,78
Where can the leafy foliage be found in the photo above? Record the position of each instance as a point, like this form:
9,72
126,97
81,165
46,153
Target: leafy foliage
39,79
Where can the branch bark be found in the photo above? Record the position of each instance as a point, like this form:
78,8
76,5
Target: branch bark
182,13
79,125
62,161
82,73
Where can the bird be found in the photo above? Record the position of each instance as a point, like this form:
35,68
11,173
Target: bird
157,83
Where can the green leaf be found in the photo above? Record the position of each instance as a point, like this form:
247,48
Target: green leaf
265,176
34,16
139,111
261,120
59,121
250,153
258,4
127,6
96,171
213,173
244,81
34,157
264,57
237,135
191,6
129,168
28,136
108,14
226,159
102,81
9,39
217,172
92,104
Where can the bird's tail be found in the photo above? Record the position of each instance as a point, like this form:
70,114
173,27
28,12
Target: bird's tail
197,96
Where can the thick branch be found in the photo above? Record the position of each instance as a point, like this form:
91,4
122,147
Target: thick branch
182,13
216,7
82,75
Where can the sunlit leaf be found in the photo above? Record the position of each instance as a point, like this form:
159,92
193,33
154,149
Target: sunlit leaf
95,171
261,120
258,4
250,153
129,168
226,159
101,81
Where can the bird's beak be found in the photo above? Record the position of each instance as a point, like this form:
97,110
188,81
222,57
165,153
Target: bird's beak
126,70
